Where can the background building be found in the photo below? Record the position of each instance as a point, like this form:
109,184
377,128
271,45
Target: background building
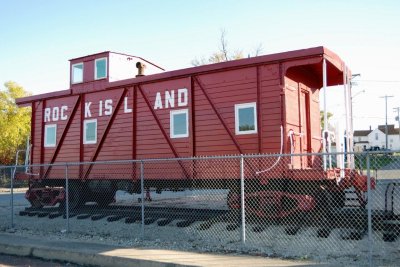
374,139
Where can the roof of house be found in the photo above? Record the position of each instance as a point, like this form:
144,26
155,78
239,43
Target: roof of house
362,132
391,129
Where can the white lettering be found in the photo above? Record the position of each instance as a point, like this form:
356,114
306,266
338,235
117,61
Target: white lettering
87,110
158,102
126,109
169,99
46,114
63,115
182,97
101,108
55,113
108,107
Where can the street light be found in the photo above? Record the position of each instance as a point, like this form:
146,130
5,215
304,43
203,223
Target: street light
354,96
353,76
398,118
351,106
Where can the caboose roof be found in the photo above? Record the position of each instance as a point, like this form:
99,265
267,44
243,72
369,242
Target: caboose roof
335,68
111,52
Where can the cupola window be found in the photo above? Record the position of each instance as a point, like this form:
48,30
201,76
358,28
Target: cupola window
100,68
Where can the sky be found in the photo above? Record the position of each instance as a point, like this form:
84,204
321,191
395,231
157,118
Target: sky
37,38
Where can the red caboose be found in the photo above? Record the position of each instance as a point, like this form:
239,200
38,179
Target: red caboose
112,112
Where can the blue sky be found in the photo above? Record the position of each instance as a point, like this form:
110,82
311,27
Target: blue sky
39,37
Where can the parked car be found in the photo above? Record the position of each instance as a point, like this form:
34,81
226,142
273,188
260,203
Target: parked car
381,150
373,148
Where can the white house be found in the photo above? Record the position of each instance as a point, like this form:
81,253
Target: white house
360,139
365,139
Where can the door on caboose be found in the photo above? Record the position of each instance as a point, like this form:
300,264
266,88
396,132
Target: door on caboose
305,127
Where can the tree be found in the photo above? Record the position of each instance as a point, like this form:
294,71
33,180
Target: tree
223,54
14,122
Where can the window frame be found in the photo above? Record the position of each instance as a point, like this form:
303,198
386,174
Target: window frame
46,127
85,141
72,73
95,68
172,123
242,106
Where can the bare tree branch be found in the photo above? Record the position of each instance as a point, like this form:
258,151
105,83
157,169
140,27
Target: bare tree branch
238,54
198,62
223,54
258,50
224,45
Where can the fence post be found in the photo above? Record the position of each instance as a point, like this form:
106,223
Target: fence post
142,197
67,196
243,233
369,206
12,172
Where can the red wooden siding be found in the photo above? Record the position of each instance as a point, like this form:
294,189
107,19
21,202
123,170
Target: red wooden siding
286,94
37,136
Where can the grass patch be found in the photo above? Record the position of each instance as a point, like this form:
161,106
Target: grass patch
376,161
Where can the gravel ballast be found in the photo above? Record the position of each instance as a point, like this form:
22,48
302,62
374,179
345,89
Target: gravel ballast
272,242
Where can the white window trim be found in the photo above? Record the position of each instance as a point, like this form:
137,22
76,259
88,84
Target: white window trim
86,142
72,72
95,68
171,123
245,105
46,127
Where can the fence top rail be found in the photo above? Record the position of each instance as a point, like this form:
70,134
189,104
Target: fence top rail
219,157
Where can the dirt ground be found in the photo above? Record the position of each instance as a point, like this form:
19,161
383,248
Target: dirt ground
273,241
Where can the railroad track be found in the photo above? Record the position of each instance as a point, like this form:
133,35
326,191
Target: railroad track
352,222
131,214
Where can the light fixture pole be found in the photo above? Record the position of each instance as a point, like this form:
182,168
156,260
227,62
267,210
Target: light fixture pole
398,118
351,105
386,128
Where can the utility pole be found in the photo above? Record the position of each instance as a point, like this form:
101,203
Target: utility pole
386,128
352,98
398,118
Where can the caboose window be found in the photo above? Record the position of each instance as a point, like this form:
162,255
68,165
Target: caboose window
100,71
179,123
90,131
50,134
77,73
245,118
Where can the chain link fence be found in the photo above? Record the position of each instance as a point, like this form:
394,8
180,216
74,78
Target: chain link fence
275,205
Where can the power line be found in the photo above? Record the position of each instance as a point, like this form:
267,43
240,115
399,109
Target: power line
380,81
370,117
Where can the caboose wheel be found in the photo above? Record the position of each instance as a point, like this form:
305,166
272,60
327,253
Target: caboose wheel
324,205
36,204
75,198
338,199
233,199
106,199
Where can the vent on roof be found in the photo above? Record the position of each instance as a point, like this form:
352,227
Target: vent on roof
141,67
